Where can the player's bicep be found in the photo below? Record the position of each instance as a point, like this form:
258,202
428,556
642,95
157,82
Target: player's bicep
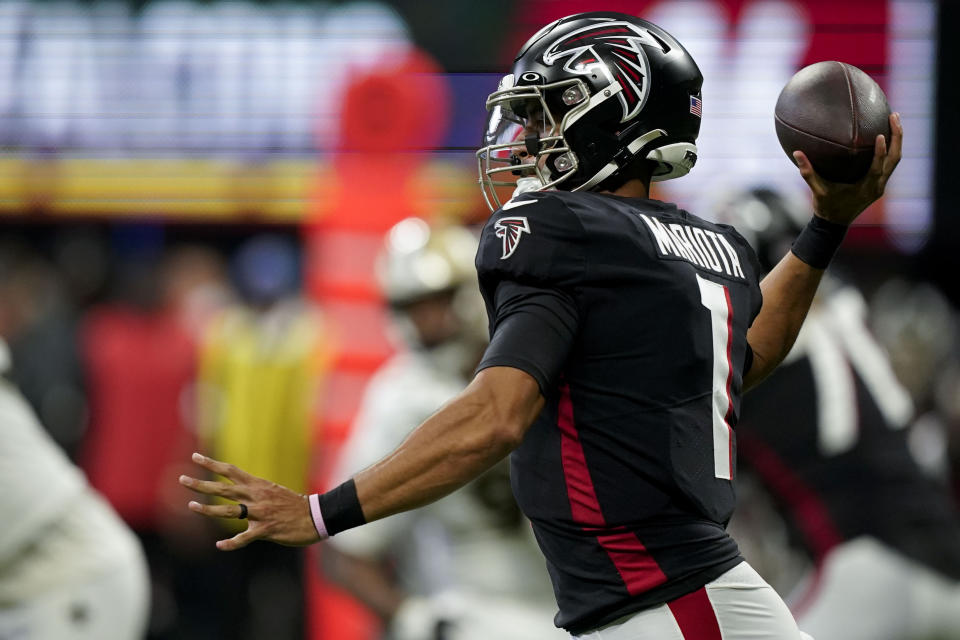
534,329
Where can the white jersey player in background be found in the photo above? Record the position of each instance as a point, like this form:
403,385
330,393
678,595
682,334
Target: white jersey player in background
70,569
466,567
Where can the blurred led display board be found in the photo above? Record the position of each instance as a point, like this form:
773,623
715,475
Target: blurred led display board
234,79
251,83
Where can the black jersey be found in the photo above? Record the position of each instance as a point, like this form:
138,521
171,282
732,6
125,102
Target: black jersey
826,432
632,315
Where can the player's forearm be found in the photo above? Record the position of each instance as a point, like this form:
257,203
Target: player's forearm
459,442
788,292
445,452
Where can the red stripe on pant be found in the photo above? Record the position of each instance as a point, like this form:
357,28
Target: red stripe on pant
637,568
695,616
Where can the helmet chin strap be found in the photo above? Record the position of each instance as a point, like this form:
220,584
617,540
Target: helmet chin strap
612,166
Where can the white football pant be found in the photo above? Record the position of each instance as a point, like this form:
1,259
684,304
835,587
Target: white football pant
739,605
866,591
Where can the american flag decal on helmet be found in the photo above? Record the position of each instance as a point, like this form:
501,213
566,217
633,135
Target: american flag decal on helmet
613,47
510,230
696,106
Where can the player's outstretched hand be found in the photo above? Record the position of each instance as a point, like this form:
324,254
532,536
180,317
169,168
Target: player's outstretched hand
275,513
842,203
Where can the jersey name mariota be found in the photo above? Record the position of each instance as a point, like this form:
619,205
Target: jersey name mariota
701,247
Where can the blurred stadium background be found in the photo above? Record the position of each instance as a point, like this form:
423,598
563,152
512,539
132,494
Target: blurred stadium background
170,169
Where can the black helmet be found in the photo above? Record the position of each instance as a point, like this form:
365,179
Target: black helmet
588,95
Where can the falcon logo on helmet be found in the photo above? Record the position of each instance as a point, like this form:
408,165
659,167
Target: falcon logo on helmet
613,48
510,230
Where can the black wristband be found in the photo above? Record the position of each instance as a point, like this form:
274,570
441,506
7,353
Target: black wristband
340,508
818,241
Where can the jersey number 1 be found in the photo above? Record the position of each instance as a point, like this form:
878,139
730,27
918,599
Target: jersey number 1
716,298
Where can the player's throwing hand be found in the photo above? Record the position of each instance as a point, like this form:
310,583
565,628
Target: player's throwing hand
275,513
842,203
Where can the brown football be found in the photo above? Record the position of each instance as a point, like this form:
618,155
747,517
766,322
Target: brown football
833,112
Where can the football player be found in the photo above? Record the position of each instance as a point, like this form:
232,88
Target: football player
70,568
826,433
623,332
466,566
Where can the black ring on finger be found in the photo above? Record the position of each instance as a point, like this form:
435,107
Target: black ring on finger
243,512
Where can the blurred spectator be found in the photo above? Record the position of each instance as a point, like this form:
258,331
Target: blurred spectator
82,257
262,365
39,323
69,568
918,328
826,434
141,358
466,567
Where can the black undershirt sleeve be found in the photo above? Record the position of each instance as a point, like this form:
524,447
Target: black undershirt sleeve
533,330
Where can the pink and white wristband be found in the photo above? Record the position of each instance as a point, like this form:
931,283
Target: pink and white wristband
317,516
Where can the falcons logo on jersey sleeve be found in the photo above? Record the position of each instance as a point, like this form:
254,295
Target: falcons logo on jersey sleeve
510,230
613,48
